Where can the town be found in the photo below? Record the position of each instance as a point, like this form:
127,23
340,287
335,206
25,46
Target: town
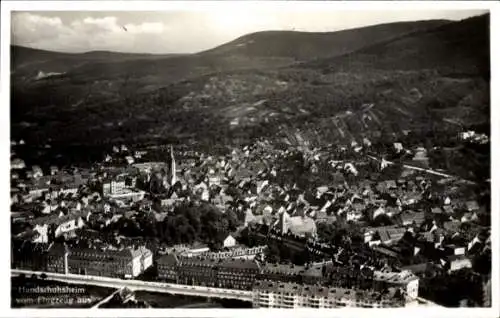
297,226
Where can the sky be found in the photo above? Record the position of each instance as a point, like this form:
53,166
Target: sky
188,31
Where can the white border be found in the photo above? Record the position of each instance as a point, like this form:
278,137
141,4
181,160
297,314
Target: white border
8,6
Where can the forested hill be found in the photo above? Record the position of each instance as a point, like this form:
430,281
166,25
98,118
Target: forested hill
427,79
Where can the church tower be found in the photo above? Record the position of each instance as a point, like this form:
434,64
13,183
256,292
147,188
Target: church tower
283,223
172,173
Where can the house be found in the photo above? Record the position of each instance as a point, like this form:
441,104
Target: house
472,206
72,185
49,205
389,235
229,241
297,225
21,216
128,195
148,167
391,184
474,244
313,275
64,223
381,187
323,217
398,147
249,217
452,249
419,269
266,294
237,252
467,217
167,267
198,271
38,234
386,252
392,211
261,185
17,164
113,186
368,235
447,201
125,263
452,227
195,250
405,279
436,210
129,159
448,209
221,200
214,179
456,262
28,255
54,170
353,215
37,172
281,272
358,207
421,157
237,273
37,187
408,217
434,238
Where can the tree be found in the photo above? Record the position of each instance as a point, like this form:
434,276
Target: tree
326,232
284,252
273,252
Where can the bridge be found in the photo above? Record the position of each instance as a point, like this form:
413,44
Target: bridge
105,300
157,287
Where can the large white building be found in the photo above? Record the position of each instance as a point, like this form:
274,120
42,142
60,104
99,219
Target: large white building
125,263
113,187
267,294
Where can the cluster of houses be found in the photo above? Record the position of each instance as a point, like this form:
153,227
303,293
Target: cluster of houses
60,203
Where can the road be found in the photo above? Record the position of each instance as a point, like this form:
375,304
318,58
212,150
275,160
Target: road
175,289
430,171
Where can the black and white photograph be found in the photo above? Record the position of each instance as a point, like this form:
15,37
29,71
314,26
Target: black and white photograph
259,157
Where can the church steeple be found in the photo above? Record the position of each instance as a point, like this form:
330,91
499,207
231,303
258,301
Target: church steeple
283,223
172,173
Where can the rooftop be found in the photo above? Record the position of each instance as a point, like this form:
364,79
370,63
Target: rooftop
287,269
127,253
394,277
239,263
55,219
198,261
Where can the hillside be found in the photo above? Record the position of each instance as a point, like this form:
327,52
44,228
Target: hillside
461,48
302,46
419,82
28,61
257,50
357,94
